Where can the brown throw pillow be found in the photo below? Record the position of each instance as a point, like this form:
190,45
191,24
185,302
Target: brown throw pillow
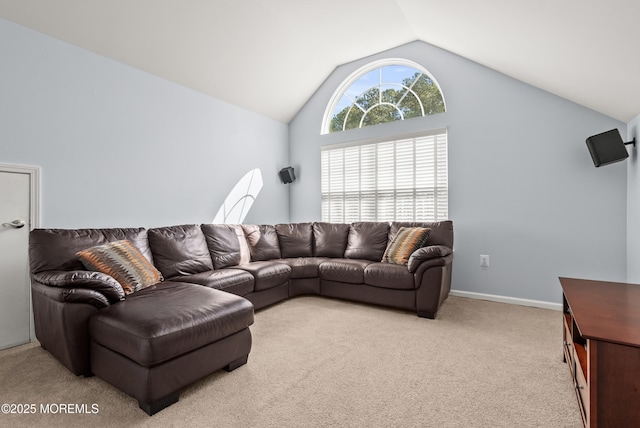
406,241
123,262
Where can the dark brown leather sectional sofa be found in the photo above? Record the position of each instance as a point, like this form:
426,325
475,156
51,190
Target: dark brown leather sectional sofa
162,338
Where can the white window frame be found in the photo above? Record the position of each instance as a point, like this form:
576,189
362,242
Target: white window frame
379,180
353,77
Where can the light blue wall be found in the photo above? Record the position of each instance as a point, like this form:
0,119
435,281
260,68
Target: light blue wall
523,188
120,147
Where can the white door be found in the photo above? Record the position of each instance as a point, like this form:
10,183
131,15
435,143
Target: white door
15,316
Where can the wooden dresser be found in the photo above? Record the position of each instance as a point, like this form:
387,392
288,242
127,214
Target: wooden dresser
602,349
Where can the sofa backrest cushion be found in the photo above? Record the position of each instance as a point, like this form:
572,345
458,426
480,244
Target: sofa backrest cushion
296,239
441,231
179,250
55,249
330,239
263,241
227,244
367,240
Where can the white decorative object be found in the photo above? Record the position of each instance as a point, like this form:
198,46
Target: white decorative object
239,201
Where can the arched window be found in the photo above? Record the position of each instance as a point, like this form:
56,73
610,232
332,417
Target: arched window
383,91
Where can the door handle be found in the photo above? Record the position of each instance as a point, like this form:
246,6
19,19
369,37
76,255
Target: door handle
17,224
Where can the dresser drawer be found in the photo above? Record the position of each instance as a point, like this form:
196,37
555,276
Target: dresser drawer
580,383
567,345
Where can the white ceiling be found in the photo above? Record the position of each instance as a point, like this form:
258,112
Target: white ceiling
269,56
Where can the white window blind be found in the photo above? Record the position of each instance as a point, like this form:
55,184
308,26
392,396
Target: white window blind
401,180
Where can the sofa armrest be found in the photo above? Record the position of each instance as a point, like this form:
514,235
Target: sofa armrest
427,253
69,295
82,279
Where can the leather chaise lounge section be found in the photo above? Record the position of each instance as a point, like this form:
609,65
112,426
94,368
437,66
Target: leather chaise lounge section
154,342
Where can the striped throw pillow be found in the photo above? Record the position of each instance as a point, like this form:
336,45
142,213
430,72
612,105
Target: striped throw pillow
123,262
406,241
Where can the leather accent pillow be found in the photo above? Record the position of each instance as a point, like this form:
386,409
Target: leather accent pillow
123,262
406,241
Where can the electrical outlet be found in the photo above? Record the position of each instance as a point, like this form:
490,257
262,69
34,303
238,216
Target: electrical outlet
484,260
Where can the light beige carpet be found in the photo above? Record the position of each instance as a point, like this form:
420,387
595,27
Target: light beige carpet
318,362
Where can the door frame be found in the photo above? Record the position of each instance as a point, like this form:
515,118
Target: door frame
34,214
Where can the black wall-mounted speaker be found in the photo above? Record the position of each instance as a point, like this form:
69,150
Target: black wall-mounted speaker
287,175
607,148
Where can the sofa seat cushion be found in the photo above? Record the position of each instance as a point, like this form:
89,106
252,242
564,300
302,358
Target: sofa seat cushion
234,281
267,274
304,267
344,270
170,319
386,275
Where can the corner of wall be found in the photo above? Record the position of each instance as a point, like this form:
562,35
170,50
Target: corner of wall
633,203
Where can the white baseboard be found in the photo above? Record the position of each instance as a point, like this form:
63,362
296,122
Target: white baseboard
505,299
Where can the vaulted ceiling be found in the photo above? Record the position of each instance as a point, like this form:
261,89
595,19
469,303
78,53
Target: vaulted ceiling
269,56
